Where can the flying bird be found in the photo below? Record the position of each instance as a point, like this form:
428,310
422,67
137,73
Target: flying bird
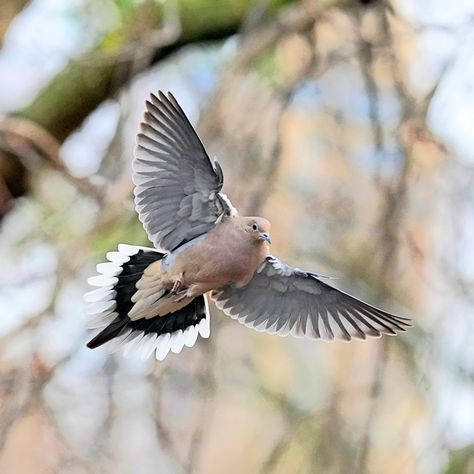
155,300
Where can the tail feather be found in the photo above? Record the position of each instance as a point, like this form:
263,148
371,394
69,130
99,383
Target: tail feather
112,303
112,331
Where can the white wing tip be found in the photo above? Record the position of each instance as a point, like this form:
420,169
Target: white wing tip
177,341
102,280
129,250
138,344
98,294
117,257
109,268
204,328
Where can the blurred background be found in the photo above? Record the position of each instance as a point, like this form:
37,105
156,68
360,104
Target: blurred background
349,124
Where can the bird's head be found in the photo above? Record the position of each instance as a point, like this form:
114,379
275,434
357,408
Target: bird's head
258,228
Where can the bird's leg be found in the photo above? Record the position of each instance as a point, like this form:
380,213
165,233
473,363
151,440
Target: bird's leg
176,286
180,295
177,292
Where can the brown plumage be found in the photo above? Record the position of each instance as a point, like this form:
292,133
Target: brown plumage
229,254
154,300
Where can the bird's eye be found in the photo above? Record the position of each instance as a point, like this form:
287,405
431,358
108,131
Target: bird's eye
254,226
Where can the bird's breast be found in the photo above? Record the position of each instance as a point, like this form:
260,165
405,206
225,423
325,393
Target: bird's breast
216,261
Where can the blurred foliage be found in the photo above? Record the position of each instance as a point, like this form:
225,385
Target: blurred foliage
319,122
461,460
123,52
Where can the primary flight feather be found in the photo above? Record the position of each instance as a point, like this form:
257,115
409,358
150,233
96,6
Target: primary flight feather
154,300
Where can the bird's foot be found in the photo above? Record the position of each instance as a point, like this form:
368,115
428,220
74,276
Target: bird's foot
180,295
176,286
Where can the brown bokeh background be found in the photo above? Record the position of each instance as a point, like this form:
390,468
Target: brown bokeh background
345,122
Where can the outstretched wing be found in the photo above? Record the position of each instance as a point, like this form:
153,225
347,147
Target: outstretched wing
284,300
177,187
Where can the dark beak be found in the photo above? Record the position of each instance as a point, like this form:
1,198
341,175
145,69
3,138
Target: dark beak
266,236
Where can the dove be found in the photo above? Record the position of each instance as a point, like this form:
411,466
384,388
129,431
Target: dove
150,301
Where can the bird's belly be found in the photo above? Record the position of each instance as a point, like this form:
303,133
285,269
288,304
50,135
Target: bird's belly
205,271
215,272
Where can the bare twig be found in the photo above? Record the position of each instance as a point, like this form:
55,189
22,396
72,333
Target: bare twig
374,394
33,143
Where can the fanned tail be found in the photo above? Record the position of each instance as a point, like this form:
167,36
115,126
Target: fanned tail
111,303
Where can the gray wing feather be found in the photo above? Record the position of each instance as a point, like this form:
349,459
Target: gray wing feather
284,300
177,187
